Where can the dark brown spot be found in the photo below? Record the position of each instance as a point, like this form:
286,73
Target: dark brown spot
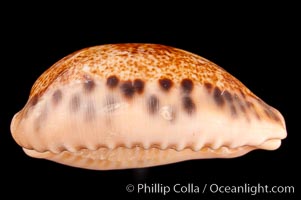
33,101
153,104
165,84
228,96
217,95
127,89
57,97
30,103
208,86
75,103
90,111
139,85
233,110
187,85
89,85
112,81
188,105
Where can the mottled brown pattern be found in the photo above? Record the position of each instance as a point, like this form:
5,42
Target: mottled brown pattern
51,74
147,61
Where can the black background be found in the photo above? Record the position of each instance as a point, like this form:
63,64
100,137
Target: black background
258,46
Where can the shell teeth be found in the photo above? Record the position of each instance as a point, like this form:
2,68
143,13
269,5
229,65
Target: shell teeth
196,147
180,147
146,145
71,148
128,145
164,145
111,145
223,150
86,152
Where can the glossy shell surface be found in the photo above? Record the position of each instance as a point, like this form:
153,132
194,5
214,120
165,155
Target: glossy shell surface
123,106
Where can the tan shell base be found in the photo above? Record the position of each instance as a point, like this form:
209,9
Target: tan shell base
137,157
